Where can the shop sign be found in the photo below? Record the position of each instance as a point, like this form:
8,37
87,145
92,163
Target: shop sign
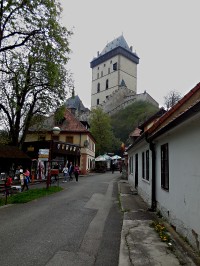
43,153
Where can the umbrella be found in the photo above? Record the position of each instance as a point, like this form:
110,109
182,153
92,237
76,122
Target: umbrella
100,158
107,157
116,157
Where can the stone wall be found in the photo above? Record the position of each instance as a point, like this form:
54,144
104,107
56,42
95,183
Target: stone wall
123,97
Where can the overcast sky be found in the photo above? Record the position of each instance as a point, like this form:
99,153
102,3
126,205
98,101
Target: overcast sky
164,34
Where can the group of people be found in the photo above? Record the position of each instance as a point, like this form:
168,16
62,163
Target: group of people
69,170
23,177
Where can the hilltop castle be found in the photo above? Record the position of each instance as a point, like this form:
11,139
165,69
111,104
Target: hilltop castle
114,77
114,81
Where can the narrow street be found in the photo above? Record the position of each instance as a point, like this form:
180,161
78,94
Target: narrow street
80,225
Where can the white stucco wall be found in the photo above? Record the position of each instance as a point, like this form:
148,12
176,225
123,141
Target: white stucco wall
181,204
144,186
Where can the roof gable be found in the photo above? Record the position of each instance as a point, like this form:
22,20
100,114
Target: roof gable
71,123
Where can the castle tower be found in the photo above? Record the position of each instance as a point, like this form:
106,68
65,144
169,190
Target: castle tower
115,63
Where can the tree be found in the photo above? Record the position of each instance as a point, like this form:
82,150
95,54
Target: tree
22,21
4,138
171,99
126,120
102,131
33,79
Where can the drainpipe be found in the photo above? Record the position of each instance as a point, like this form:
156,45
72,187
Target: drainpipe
153,185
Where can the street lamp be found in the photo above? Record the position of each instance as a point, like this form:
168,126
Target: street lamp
55,131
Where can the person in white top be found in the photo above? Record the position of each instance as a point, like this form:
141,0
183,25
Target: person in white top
66,174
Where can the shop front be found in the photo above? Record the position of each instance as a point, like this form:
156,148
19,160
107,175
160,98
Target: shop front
50,154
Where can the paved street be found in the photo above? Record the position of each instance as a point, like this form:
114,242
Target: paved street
84,225
79,226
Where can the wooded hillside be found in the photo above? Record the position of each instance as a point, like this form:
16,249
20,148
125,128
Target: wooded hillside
126,120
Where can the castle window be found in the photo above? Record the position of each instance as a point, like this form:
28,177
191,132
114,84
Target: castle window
108,70
97,101
115,66
104,65
106,84
98,75
102,73
107,97
111,61
98,87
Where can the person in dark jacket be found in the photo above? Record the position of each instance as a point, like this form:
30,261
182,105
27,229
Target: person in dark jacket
76,172
70,170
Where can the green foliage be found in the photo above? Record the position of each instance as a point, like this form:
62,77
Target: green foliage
59,114
161,230
126,120
30,195
102,131
33,61
4,137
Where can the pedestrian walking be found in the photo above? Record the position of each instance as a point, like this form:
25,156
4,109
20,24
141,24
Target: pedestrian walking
113,167
71,170
66,174
56,166
27,175
25,180
8,184
76,172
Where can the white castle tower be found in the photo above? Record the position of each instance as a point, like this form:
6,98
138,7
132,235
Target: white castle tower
116,63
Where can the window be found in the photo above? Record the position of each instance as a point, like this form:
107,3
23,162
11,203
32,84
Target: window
98,87
143,166
69,139
102,73
98,75
108,70
115,66
147,165
107,97
106,84
97,101
165,166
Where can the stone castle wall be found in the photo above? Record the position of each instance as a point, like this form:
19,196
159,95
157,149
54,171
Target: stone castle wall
123,97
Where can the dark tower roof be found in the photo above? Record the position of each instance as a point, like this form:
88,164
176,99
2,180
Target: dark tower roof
74,102
118,42
116,47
